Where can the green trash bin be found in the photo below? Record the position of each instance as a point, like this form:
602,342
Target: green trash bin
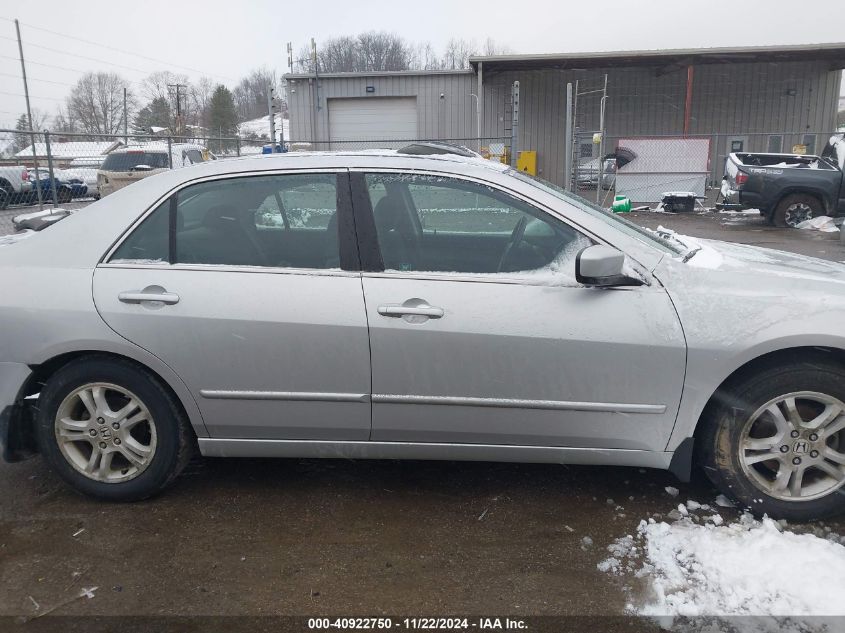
621,204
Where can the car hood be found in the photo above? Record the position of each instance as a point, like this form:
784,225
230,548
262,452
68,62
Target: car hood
732,296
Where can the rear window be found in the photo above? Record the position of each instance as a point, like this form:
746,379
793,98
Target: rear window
125,161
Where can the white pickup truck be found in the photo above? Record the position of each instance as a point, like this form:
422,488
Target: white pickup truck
15,184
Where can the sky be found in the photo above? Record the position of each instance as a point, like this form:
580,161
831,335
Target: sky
224,39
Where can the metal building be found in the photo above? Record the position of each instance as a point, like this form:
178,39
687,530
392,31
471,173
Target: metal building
753,99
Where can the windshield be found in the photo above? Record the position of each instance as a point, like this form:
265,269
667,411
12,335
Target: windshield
125,161
629,228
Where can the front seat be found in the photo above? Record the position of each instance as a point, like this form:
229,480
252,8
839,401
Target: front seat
396,235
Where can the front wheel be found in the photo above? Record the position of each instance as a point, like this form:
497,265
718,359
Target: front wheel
111,430
778,445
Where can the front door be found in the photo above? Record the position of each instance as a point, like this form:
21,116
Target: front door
247,288
480,335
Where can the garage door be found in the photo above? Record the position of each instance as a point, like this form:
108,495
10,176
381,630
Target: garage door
368,119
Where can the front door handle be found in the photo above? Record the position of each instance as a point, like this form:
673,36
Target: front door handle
423,309
150,293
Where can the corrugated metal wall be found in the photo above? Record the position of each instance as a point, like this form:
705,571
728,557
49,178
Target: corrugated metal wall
727,99
453,116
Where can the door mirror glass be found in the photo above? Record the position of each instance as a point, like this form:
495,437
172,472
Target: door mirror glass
601,265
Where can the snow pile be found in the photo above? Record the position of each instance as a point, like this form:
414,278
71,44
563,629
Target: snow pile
698,566
15,237
822,223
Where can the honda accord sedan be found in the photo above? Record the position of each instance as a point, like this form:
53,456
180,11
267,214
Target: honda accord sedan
388,306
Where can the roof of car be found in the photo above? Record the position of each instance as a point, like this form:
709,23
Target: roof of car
372,156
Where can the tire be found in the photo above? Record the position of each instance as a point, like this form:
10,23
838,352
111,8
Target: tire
741,418
7,194
163,432
795,208
64,196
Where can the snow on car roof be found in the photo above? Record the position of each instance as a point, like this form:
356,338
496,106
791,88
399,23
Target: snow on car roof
385,153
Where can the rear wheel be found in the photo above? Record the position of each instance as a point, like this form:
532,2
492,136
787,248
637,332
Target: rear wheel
6,195
64,195
795,209
779,446
111,430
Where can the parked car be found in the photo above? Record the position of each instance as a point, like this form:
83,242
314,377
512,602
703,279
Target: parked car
76,176
788,189
65,190
126,165
382,305
588,173
14,185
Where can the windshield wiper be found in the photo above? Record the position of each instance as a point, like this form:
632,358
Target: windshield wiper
690,254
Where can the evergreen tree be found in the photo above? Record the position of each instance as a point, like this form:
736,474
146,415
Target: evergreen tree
22,141
155,114
222,118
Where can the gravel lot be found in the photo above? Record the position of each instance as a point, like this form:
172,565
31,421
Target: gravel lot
302,537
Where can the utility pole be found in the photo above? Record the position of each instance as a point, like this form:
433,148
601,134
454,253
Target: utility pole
125,120
179,125
29,117
290,56
271,107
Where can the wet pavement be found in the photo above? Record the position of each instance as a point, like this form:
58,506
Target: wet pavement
307,537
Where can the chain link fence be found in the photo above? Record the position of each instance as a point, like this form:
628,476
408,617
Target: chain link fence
44,168
644,168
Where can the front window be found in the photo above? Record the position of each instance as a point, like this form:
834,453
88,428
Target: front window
441,224
614,220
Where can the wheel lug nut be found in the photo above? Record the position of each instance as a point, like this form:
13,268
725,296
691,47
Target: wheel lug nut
784,449
115,426
796,460
117,440
101,421
92,433
102,444
813,437
814,454
795,434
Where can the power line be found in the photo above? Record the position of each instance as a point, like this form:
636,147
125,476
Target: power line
93,59
17,94
120,50
46,81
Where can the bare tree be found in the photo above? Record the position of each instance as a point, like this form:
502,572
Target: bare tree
377,51
252,91
200,95
96,102
63,121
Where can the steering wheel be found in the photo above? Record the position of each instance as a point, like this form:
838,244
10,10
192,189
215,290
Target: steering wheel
516,239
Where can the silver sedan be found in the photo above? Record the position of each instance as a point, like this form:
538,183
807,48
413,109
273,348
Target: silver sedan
393,306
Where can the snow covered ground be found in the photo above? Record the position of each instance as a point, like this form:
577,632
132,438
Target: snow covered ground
260,127
695,563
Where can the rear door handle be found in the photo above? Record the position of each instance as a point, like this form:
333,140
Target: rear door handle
148,294
394,310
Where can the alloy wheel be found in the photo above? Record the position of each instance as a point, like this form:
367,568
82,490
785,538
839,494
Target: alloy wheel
793,447
105,432
797,213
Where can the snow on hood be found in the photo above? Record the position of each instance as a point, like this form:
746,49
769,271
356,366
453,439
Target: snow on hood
699,565
15,237
733,257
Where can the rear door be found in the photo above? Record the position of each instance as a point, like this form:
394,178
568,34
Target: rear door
479,333
270,336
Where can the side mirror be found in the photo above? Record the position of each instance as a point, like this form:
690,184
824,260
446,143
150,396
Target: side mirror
601,265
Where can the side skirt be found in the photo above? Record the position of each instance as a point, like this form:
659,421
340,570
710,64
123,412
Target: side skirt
212,447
